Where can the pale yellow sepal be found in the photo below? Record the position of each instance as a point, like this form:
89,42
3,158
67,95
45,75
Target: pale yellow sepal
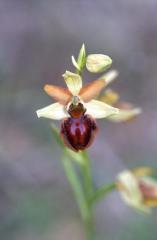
125,115
97,63
54,111
98,109
73,82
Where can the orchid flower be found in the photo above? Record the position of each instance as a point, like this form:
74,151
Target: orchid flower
77,102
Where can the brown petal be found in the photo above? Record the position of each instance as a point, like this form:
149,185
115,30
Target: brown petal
91,90
62,95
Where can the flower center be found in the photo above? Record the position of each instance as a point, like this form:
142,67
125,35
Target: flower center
76,110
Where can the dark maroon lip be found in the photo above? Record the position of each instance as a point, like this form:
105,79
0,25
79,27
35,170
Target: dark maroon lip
78,133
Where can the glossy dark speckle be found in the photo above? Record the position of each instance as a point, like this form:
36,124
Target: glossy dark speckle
78,133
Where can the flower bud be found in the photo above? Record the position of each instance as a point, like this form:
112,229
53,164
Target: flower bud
97,63
137,189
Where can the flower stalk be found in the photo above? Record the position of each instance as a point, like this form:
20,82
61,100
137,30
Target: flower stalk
81,192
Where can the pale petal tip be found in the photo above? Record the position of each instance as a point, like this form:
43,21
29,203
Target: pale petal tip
137,111
38,113
110,76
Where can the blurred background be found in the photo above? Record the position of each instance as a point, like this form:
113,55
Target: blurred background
37,39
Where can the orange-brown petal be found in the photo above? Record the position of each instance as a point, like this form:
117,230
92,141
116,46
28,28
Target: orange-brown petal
62,95
91,90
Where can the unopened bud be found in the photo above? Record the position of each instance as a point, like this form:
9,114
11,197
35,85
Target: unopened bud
97,63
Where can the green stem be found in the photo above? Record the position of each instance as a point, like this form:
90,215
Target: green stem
81,198
87,178
102,192
90,234
75,184
88,190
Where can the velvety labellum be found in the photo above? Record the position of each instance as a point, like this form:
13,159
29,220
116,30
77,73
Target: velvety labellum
78,133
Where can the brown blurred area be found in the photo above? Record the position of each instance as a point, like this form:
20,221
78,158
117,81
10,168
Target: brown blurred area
37,39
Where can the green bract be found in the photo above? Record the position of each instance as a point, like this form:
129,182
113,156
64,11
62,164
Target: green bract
81,60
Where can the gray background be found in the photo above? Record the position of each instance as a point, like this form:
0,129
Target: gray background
37,39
